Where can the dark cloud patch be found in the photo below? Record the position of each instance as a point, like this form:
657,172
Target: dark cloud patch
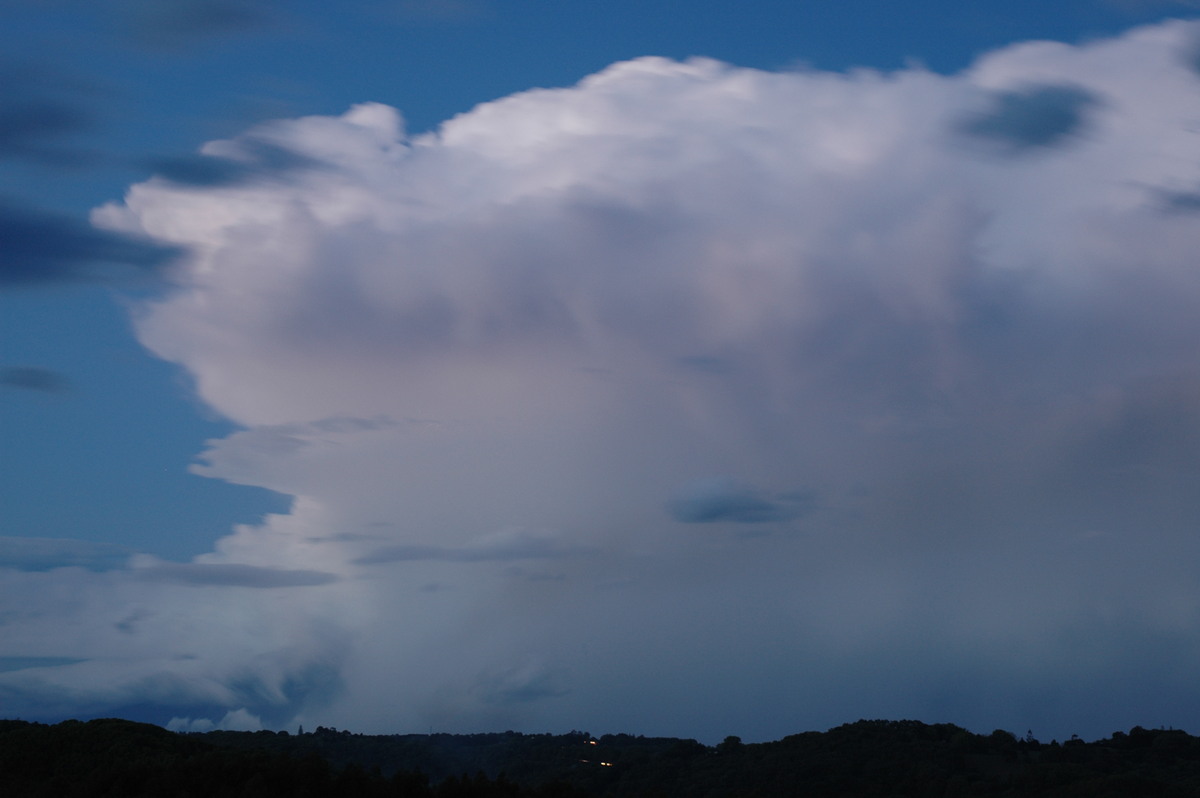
517,548
440,10
172,24
341,537
45,554
1033,117
348,424
8,664
201,170
25,126
231,575
38,107
1180,201
1153,432
720,499
34,378
523,685
256,160
129,624
1191,55
44,248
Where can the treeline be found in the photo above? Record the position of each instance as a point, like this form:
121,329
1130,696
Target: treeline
113,758
868,758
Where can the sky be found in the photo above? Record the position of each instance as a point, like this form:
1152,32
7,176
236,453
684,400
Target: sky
674,369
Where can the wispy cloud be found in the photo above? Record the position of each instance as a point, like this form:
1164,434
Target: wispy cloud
34,378
247,161
502,548
43,248
41,111
170,25
440,10
42,554
21,663
530,681
721,499
227,574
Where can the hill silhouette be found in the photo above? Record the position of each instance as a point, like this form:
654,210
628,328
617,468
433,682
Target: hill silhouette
123,759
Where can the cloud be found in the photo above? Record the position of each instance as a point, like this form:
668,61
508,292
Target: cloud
187,725
1138,5
441,10
1191,55
43,248
1179,201
24,127
504,546
158,648
721,499
234,720
248,161
1033,117
21,663
227,574
39,107
182,21
528,682
704,363
34,378
553,314
41,554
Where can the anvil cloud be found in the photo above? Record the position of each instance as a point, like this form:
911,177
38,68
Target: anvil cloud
690,399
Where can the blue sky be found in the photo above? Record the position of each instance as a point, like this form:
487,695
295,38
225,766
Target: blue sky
839,393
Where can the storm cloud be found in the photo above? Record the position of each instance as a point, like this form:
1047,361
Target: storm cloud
531,377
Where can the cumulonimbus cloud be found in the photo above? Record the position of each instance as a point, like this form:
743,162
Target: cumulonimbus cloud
936,333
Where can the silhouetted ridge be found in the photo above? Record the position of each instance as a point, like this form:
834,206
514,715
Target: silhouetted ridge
123,759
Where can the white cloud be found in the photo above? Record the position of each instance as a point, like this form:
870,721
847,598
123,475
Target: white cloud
234,720
959,380
178,724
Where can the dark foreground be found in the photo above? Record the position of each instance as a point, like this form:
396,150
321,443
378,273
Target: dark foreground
123,759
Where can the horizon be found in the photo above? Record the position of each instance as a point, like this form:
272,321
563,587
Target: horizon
182,727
